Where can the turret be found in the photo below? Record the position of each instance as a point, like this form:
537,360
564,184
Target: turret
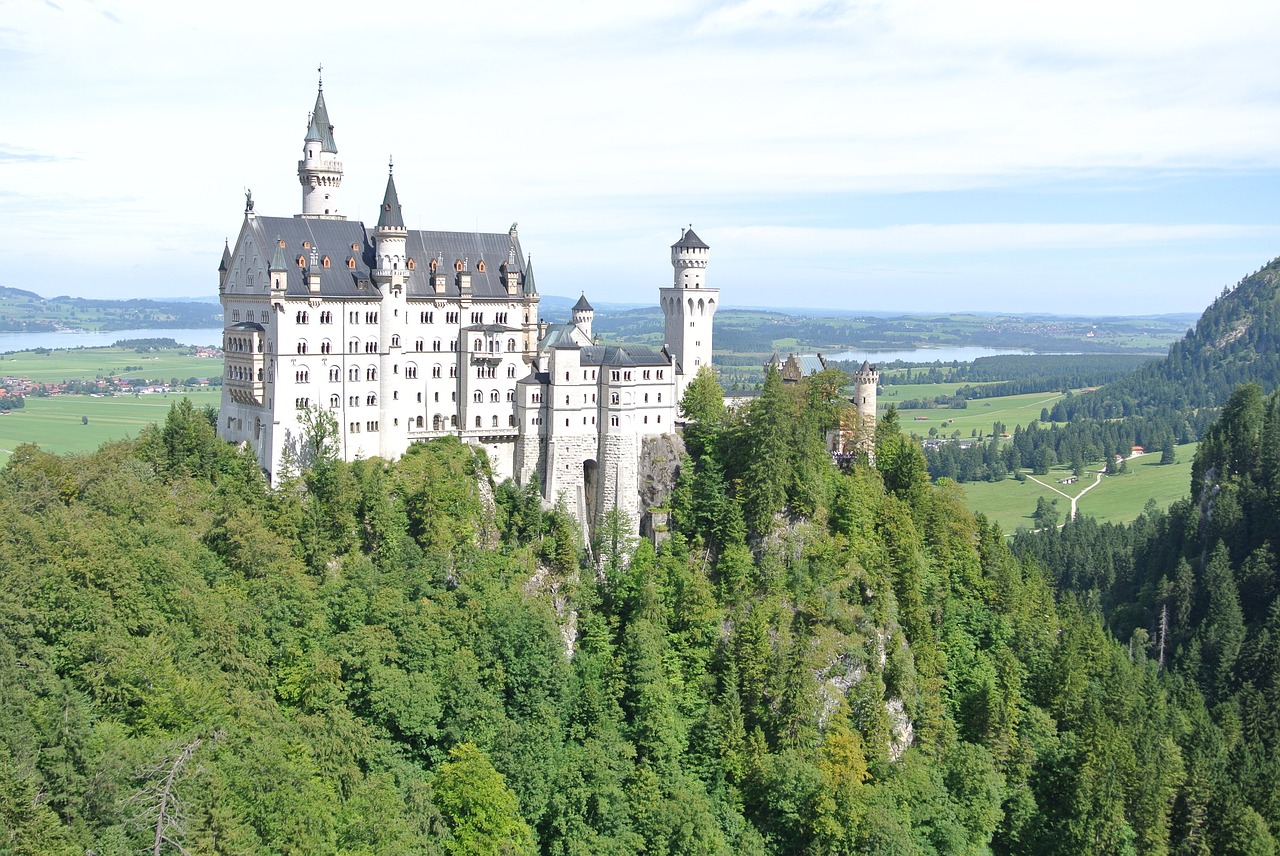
224,266
278,271
390,236
689,308
320,171
583,315
866,381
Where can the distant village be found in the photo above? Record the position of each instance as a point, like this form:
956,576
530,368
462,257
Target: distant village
14,389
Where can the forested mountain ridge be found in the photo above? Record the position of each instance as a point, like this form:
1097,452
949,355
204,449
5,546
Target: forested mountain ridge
1236,341
372,659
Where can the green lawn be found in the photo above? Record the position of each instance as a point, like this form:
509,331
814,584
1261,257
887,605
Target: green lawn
1117,499
980,414
56,423
88,363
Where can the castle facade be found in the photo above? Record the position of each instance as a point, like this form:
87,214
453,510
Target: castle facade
404,335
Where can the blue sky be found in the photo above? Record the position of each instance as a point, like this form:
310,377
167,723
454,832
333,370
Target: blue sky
1094,157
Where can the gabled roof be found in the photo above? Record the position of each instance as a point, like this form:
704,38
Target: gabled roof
690,240
390,217
582,305
334,238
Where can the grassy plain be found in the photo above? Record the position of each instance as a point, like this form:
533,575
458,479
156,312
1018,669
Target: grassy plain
56,424
1116,499
89,363
980,414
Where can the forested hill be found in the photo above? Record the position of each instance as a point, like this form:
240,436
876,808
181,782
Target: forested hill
1236,341
26,311
399,658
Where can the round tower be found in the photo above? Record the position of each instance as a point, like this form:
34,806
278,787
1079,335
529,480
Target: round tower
865,382
689,307
320,171
583,315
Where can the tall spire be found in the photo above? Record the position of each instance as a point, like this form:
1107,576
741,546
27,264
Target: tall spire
390,216
529,288
320,119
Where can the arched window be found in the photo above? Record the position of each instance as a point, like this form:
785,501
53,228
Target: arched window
477,421
495,422
478,345
477,396
511,344
302,347
417,345
353,346
494,397
511,395
372,400
326,347
353,373
371,373
334,401
395,341
511,371
435,371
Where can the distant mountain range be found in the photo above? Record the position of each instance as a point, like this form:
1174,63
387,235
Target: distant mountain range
26,311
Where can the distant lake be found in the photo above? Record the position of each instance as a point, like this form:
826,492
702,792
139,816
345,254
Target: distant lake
98,339
925,355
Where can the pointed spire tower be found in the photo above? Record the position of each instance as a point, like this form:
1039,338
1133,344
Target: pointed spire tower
320,171
391,235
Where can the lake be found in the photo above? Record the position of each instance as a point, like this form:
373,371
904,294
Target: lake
10,342
925,355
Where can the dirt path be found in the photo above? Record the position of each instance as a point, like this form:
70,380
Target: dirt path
1073,499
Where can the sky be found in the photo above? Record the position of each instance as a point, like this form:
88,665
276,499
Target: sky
1093,157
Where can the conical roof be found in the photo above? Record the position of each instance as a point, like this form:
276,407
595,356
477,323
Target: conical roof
320,122
529,288
689,240
390,217
582,305
277,258
225,265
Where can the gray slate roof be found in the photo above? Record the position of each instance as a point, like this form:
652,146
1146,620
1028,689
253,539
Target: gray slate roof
334,238
582,305
390,216
630,356
320,119
690,240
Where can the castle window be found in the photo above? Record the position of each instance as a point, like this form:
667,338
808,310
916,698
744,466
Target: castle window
417,345
435,371
301,402
480,266
302,347
646,398
324,263
300,318
646,420
659,378
613,420
351,262
511,395
453,344
326,347
427,317
614,398
353,317
659,401
457,265
326,317
372,426
435,345
477,396
334,401
335,373
411,264
494,397
453,371
511,344
451,317
411,371
626,375
395,341
302,376
477,345
477,317
371,373
306,245
616,375
235,314
566,400
353,373
477,421
495,422
371,347
302,261
511,371
646,374
354,427
659,417
511,421
372,399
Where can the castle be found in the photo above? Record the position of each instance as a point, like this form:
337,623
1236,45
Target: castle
405,335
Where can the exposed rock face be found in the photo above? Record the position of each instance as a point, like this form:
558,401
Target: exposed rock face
659,459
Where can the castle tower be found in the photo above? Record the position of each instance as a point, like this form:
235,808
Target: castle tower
865,382
689,308
390,270
320,171
583,315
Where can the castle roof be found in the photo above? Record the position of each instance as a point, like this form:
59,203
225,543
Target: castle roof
390,216
320,123
277,258
689,240
628,357
225,264
582,305
335,238
529,288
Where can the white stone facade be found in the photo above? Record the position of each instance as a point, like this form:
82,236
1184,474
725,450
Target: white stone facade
405,335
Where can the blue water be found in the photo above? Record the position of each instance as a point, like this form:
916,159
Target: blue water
925,355
183,335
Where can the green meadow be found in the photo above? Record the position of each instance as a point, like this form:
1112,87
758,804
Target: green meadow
89,363
1116,499
56,423
979,414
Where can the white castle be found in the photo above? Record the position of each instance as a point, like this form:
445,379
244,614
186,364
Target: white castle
405,336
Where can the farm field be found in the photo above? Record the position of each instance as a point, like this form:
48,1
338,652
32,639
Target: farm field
89,363
980,414
1116,499
55,423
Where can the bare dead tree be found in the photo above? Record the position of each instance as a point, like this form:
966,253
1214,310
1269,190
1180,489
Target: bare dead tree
161,809
1164,628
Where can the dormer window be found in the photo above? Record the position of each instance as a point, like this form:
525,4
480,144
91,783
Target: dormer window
410,264
324,263
480,266
457,264
351,262
302,261
306,245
